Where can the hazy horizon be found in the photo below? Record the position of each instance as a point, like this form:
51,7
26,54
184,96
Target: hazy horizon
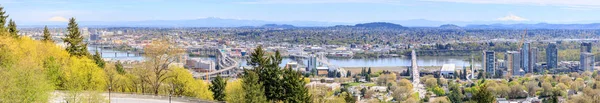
340,11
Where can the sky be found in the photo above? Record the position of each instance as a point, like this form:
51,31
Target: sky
551,11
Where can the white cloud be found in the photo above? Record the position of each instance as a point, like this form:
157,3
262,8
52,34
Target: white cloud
512,17
58,19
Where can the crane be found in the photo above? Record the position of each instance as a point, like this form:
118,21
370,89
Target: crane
522,39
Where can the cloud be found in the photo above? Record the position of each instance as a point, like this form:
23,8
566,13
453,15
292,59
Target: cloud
58,19
512,17
562,3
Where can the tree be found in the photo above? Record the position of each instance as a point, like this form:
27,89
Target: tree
253,88
348,97
3,17
294,83
368,78
119,67
160,54
74,40
455,94
47,36
483,95
348,74
98,59
369,71
363,91
234,93
12,29
218,88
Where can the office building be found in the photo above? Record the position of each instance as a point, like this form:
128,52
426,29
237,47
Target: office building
489,63
586,62
552,56
525,57
533,52
586,47
514,63
312,64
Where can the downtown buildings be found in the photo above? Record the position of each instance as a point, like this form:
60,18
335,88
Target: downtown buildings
586,58
489,63
513,63
552,56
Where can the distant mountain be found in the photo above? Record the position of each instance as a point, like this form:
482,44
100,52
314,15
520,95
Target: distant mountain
537,26
450,26
380,25
278,26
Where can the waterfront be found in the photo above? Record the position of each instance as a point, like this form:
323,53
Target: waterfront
372,62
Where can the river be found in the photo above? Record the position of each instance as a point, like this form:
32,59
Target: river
373,62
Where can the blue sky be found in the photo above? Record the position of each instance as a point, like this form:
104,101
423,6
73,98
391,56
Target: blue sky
552,11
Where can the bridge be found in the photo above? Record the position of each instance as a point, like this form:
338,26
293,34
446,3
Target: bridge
228,67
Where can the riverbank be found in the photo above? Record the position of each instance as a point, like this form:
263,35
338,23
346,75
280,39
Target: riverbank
388,68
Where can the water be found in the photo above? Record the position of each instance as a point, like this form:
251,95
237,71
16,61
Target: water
379,62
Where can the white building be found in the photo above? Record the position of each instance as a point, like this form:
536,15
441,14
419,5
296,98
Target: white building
448,70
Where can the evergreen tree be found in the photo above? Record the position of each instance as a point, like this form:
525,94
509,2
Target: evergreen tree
119,67
12,29
483,95
368,78
74,40
3,17
369,71
464,74
254,92
98,59
362,92
362,72
47,36
455,95
218,88
348,74
295,92
339,74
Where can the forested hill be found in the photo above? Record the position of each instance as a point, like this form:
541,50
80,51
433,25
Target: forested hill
380,25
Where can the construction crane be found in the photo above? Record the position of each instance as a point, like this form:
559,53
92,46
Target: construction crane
522,39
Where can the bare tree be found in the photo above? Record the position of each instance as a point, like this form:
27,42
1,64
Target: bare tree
160,54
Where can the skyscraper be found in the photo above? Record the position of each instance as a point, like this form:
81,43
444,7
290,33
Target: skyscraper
514,62
586,47
525,57
489,63
586,62
552,56
533,52
586,58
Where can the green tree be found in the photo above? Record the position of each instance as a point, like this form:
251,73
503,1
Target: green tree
218,88
294,83
348,74
483,95
369,71
455,95
3,17
253,88
368,78
349,97
98,59
47,36
119,67
74,40
12,29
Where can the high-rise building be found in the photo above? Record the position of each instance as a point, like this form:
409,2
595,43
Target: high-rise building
489,63
552,56
525,57
586,62
586,58
586,47
312,63
514,63
533,52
